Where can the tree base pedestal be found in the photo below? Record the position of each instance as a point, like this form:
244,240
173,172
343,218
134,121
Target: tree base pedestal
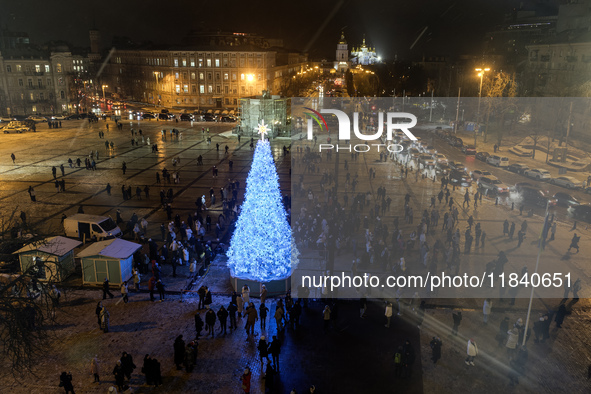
274,287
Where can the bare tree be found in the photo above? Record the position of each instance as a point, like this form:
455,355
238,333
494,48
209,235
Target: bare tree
27,305
499,92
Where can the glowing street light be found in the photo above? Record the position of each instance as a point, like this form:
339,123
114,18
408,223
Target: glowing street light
481,75
250,77
104,99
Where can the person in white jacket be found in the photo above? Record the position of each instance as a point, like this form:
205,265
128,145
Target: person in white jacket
486,310
246,294
472,352
512,339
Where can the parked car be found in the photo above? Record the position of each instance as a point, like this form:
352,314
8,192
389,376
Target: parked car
165,116
499,161
59,117
227,118
209,118
455,165
476,174
532,196
186,117
458,143
538,173
460,178
148,116
567,181
580,212
469,150
440,158
15,127
518,168
426,160
6,119
565,199
482,156
519,186
492,184
37,118
73,117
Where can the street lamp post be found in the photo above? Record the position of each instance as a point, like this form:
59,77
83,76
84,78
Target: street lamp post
481,72
104,99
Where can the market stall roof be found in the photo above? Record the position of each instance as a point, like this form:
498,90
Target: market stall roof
115,248
58,246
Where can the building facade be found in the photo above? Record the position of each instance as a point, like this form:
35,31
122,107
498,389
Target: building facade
212,75
342,63
364,55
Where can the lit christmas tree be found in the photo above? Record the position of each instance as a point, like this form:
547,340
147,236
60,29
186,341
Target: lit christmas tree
262,247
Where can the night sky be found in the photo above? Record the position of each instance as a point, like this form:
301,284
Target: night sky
453,27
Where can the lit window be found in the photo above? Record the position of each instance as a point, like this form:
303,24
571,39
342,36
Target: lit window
37,68
47,68
226,76
19,68
225,62
217,62
201,76
208,62
201,89
58,68
209,89
186,88
184,62
31,96
176,62
192,75
200,62
242,77
259,77
34,108
176,75
233,76
178,88
192,62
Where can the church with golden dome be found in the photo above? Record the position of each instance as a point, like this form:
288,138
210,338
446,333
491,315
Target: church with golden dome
364,55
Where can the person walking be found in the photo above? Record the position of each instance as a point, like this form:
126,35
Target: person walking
179,351
245,378
66,382
124,292
13,157
520,238
246,294
223,318
263,348
471,351
104,318
505,227
263,294
160,287
457,319
388,314
124,168
232,312
512,339
502,334
251,318
560,315
486,310
512,230
210,319
552,232
574,243
263,310
198,324
106,289
275,349
435,349
95,369
127,365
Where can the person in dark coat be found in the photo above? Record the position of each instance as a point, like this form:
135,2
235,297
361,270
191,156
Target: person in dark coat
263,348
198,324
435,349
119,375
232,309
275,349
210,321
99,308
160,287
457,318
223,318
408,358
179,351
66,382
106,289
127,364
157,372
147,370
502,334
207,298
560,315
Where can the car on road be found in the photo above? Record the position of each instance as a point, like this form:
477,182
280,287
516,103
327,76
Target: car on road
580,212
492,184
460,178
538,173
73,117
565,199
148,116
227,118
482,156
15,127
469,150
567,181
6,119
209,118
455,165
426,160
440,158
518,168
458,143
476,174
59,117
499,161
186,117
521,185
533,196
37,118
165,116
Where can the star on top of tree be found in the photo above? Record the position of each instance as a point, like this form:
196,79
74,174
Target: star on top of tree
263,129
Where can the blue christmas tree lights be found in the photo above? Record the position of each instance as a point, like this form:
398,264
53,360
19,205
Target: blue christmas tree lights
262,246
